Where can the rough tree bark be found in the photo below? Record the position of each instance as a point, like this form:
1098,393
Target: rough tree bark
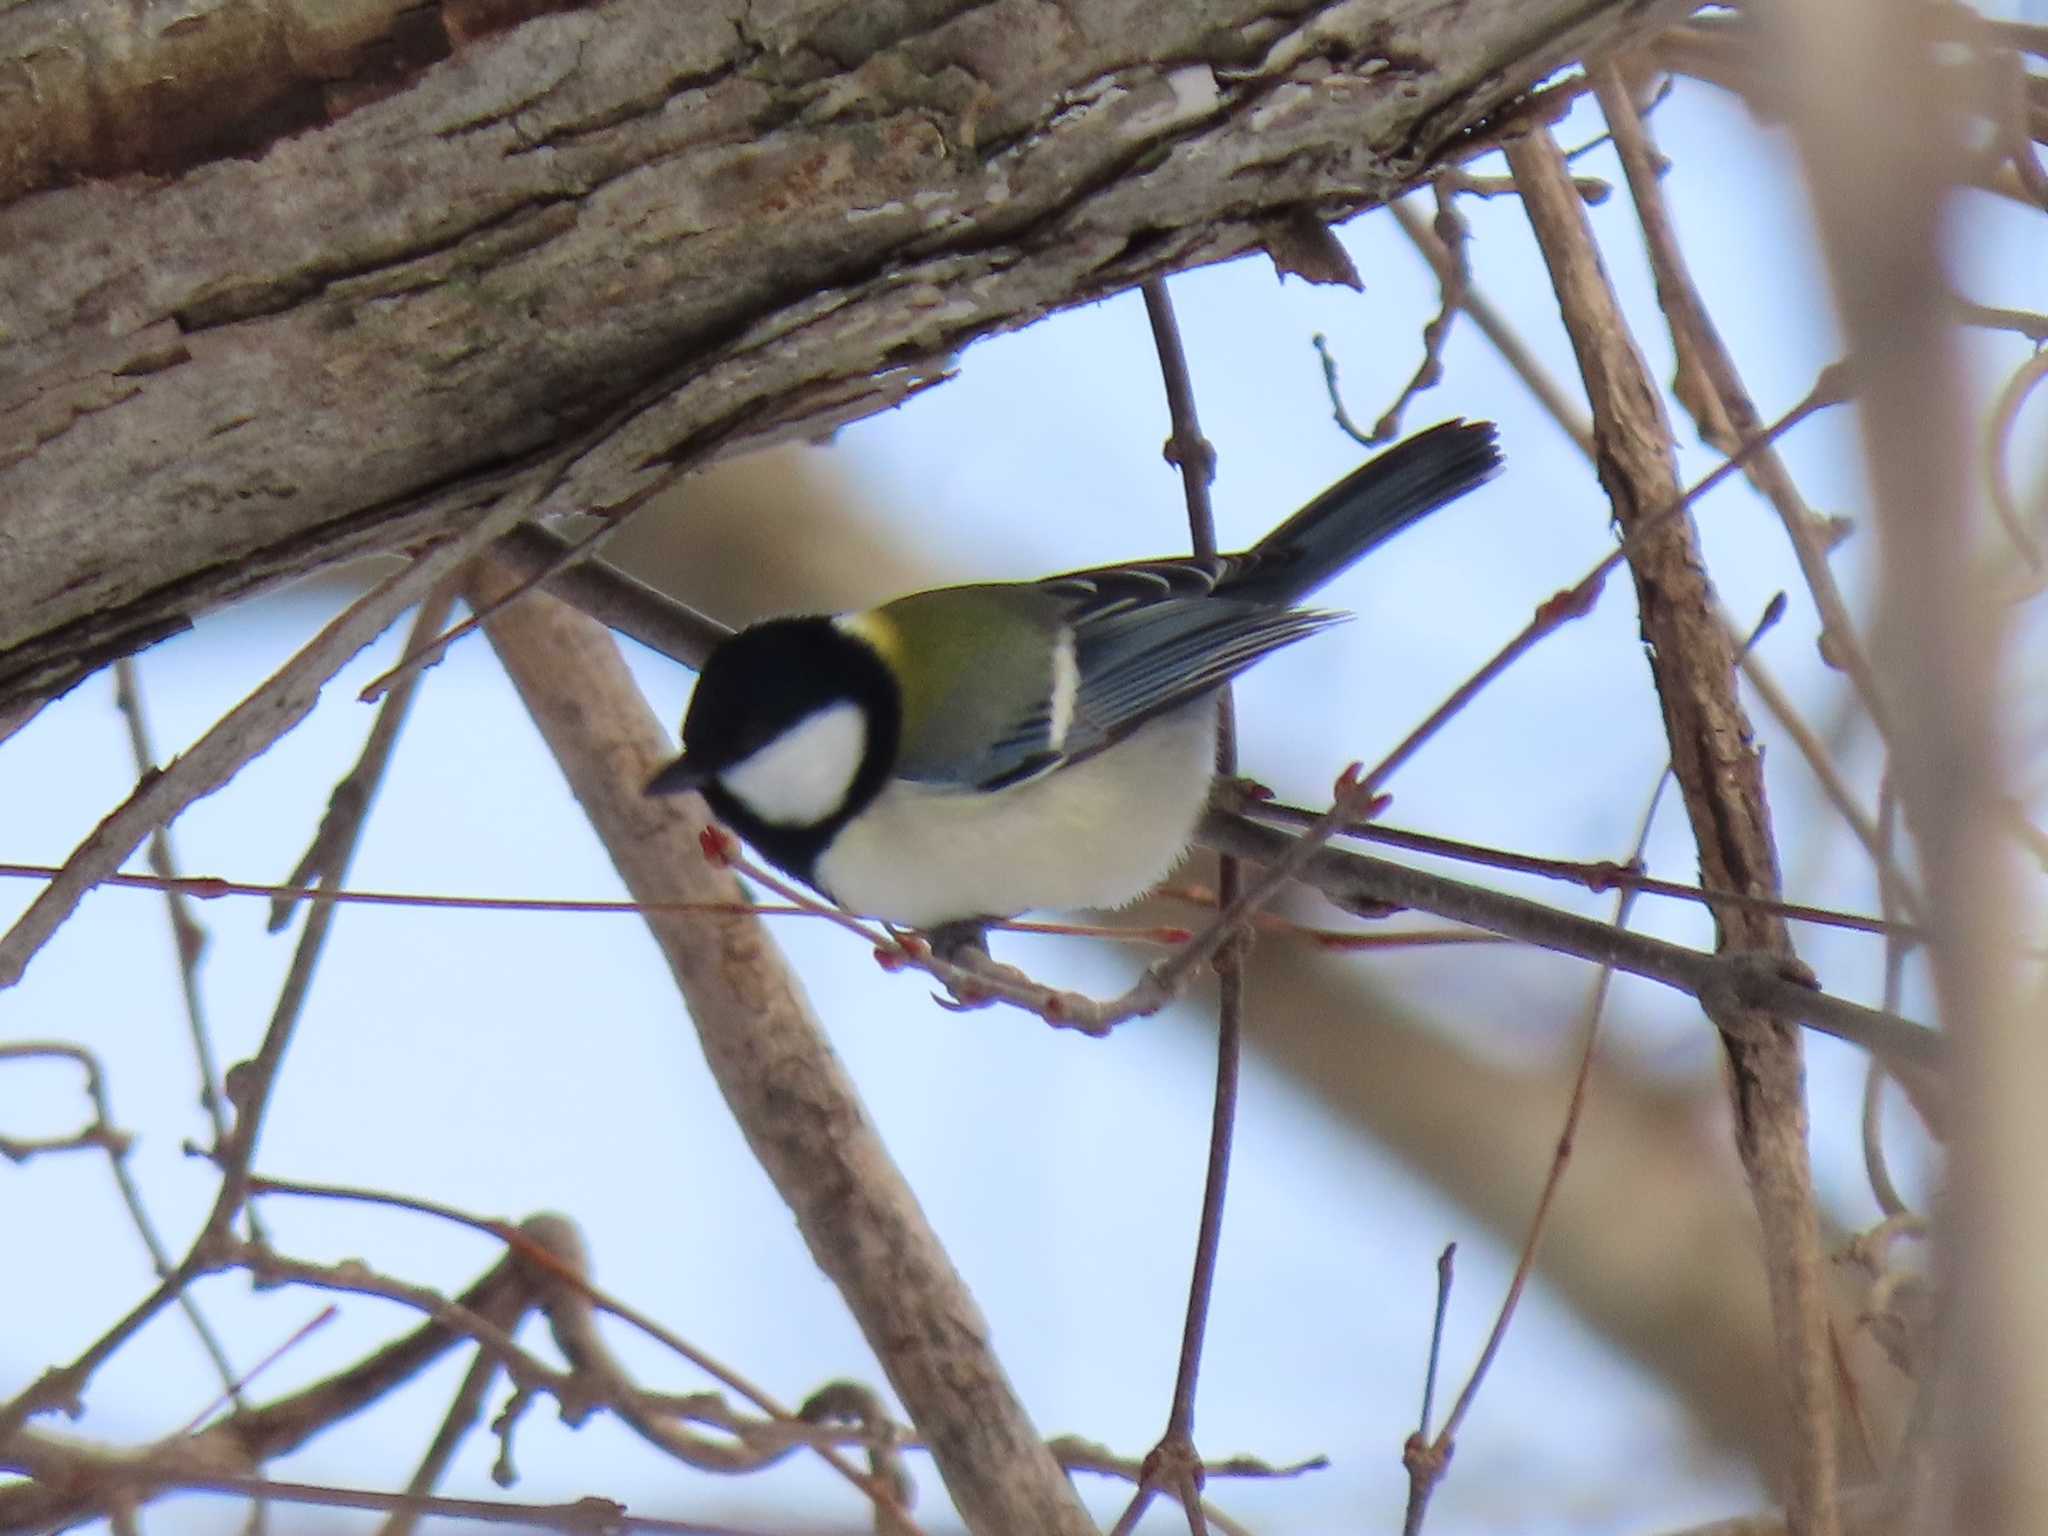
281,283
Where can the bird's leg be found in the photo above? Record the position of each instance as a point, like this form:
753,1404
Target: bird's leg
1238,792
962,942
963,945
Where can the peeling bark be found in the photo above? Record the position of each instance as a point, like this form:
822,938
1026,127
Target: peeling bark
282,285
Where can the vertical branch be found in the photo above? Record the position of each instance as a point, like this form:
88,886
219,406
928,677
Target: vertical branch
1725,412
1175,1459
187,936
1881,156
188,939
1550,394
785,1085
253,1080
1720,776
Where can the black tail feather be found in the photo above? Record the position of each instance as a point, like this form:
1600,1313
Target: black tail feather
1367,507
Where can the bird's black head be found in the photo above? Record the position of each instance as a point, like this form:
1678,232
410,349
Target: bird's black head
792,729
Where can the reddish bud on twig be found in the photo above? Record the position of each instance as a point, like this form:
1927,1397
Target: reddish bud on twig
1571,603
719,845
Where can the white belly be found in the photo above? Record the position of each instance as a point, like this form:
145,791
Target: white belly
1097,834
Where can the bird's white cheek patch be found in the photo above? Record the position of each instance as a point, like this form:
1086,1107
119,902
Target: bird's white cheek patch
802,777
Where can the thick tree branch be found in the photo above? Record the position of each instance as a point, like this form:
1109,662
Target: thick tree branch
1721,778
343,319
785,1085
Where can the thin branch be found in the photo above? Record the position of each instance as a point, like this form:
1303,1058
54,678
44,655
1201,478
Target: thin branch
1894,888
1568,413
590,1516
327,858
188,938
1422,1456
1454,281
1358,883
1726,406
1886,1193
557,567
610,596
247,1437
1998,438
1576,601
554,1249
1598,875
103,1135
1756,981
332,851
463,1415
1174,1461
278,704
1426,1464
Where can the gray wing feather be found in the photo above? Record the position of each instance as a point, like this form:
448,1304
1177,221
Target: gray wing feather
1136,663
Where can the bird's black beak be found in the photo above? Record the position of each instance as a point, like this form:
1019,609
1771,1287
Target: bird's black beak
678,776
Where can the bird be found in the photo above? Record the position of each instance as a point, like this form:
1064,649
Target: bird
969,753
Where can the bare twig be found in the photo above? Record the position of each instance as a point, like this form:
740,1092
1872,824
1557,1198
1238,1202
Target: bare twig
556,567
463,1415
610,596
546,1268
1359,883
1425,1456
1355,881
1889,1200
590,1516
553,1249
1568,413
327,858
278,704
1454,279
188,938
1427,1459
1174,1461
246,1438
1998,435
1893,885
1599,875
1692,332
333,848
103,1135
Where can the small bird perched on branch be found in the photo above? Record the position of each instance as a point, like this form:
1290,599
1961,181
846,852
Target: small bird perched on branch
974,752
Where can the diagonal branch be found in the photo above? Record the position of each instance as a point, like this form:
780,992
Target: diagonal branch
784,1083
1721,779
